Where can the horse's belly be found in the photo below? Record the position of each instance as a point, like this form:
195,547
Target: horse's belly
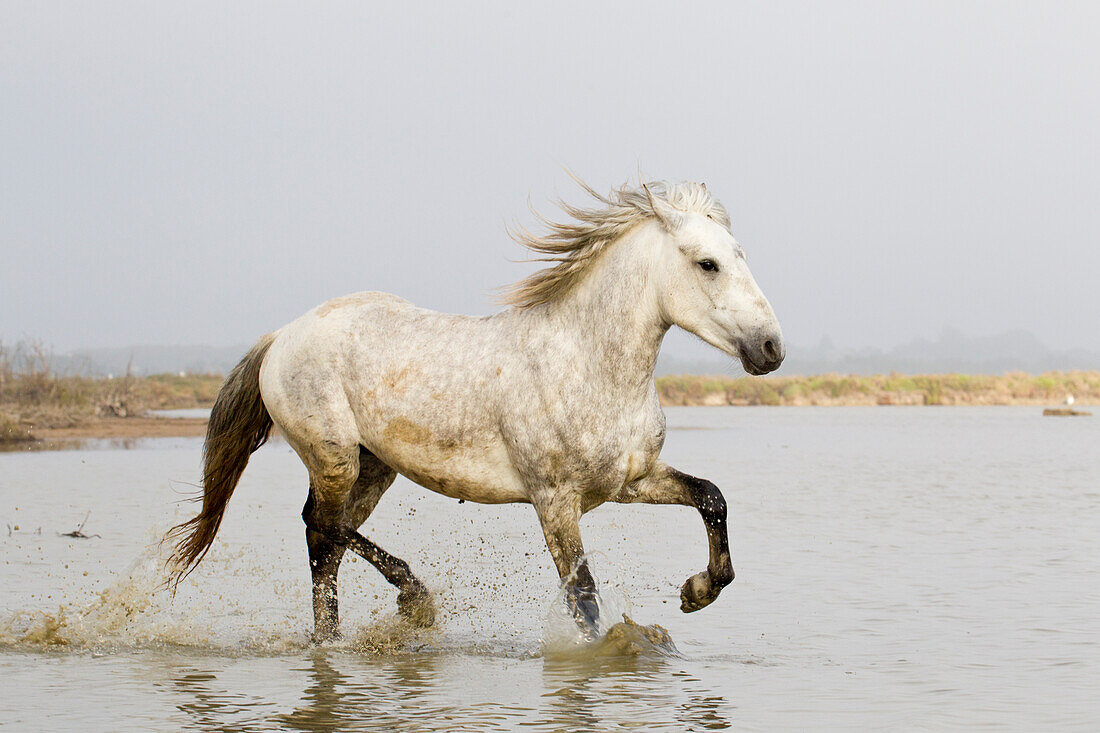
467,488
484,476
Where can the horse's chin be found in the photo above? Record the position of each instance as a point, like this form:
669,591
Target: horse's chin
751,368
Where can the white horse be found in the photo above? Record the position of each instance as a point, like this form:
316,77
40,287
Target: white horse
550,402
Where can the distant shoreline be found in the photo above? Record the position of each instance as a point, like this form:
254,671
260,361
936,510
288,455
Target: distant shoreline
68,408
838,390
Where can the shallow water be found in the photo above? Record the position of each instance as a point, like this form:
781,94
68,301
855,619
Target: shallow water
896,568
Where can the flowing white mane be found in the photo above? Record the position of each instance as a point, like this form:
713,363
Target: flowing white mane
574,245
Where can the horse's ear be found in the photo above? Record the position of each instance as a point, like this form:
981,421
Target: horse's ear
670,218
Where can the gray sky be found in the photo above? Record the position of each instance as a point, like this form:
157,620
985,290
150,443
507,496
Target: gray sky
203,173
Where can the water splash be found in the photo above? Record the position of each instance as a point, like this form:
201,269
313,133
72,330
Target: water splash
388,636
137,611
562,638
130,612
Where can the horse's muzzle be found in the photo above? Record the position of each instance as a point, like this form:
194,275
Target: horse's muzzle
763,354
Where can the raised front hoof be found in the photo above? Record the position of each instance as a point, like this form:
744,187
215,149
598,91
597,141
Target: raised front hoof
414,602
700,591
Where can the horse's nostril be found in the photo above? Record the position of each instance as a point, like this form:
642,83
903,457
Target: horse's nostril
770,350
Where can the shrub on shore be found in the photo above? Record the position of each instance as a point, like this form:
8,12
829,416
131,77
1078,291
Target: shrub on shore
34,395
11,431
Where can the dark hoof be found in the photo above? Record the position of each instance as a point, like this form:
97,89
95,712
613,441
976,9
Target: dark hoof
586,611
698,592
414,602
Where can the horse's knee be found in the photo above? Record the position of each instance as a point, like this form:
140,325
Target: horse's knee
709,501
326,518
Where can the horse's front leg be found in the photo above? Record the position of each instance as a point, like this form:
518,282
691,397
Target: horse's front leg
560,518
666,485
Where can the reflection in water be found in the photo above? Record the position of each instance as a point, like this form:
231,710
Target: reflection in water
322,707
207,709
578,691
31,446
372,694
341,691
585,694
702,708
92,444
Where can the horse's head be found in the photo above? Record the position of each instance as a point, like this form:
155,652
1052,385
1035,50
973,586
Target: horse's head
705,287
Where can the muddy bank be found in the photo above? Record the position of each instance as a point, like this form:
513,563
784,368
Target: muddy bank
127,427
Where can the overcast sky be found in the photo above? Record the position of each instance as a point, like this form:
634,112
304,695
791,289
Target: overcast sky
185,173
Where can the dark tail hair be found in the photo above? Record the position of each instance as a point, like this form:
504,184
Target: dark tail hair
239,424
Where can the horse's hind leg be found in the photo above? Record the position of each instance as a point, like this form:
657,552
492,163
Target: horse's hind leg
324,564
332,472
335,509
326,553
413,599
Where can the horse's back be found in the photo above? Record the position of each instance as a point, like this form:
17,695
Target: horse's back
414,386
369,349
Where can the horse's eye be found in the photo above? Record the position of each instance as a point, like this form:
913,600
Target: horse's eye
708,265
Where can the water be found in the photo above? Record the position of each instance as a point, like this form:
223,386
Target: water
896,568
182,412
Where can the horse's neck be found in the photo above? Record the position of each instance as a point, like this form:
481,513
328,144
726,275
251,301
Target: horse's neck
613,314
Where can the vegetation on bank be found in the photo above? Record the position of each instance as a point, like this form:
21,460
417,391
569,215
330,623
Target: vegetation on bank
33,395
1016,388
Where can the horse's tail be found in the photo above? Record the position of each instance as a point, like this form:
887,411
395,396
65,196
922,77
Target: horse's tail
239,424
